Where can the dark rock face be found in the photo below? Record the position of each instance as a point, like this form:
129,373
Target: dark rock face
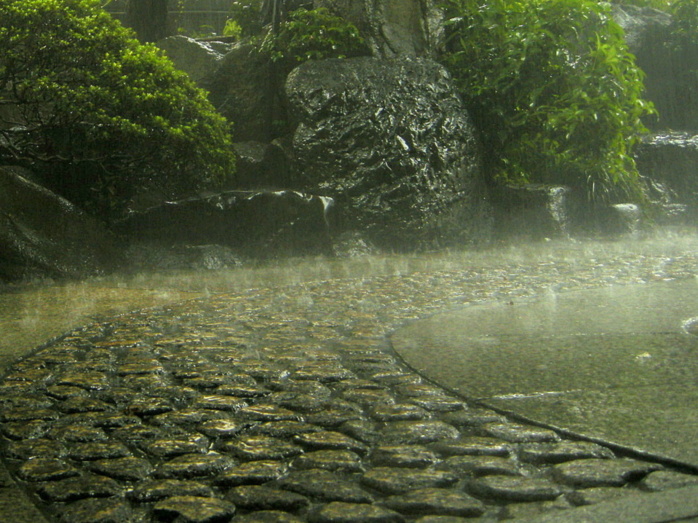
261,166
42,234
391,142
394,27
262,223
240,89
533,211
670,83
670,159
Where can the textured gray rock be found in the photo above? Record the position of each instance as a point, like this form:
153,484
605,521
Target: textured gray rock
391,142
42,234
397,27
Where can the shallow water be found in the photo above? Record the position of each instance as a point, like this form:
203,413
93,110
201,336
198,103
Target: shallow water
33,313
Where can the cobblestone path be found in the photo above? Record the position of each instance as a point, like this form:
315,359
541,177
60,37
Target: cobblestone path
287,404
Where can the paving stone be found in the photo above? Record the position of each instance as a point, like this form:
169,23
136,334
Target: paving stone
559,452
360,429
170,447
508,488
369,397
335,460
129,468
411,432
585,473
441,519
267,412
111,510
435,501
256,497
220,402
138,434
284,429
472,446
93,450
335,414
222,428
268,516
46,469
71,489
25,429
194,465
399,412
193,509
324,485
78,433
515,433
149,406
465,466
83,404
330,440
593,495
260,447
189,416
35,448
157,489
298,401
84,380
29,414
252,473
63,392
395,480
412,456
339,512
473,418
668,479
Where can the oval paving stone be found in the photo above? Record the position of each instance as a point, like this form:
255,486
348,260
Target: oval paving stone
435,501
602,472
399,480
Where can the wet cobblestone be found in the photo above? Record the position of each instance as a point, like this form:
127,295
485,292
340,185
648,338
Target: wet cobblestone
287,404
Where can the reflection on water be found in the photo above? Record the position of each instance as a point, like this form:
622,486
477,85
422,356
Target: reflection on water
33,313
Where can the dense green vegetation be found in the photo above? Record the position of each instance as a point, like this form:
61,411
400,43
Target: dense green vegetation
555,93
101,116
314,35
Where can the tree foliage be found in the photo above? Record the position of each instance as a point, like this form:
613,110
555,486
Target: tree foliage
101,114
314,34
555,93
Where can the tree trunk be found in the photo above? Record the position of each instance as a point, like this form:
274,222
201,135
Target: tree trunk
148,18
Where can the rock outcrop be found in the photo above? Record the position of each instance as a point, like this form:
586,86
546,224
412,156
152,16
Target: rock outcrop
395,27
391,142
44,235
260,224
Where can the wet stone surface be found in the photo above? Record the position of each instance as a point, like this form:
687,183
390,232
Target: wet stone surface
287,405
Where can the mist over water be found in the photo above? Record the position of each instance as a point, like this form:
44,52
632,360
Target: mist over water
33,313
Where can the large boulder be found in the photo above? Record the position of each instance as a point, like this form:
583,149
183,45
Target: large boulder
670,161
391,142
242,89
670,81
44,235
393,27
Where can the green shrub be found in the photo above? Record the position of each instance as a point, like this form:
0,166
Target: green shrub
104,116
554,91
314,35
248,16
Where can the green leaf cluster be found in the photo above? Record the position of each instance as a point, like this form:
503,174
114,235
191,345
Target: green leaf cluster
314,34
103,115
556,95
